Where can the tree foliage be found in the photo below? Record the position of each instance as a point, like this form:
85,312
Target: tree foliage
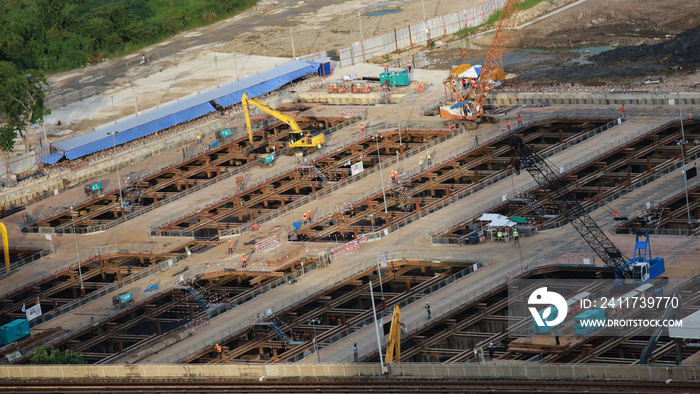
21,101
53,35
43,356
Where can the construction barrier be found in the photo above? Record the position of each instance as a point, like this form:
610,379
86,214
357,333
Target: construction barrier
351,112
266,243
350,246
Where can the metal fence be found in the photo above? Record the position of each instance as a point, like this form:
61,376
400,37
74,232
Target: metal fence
22,163
27,260
418,34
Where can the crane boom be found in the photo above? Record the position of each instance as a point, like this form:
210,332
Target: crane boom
471,105
494,58
559,193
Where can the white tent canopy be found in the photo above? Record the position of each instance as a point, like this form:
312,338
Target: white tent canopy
487,217
473,72
502,222
497,220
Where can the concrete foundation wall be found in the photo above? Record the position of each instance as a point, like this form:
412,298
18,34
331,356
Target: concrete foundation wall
589,98
407,371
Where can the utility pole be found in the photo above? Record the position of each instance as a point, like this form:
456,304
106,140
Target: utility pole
216,65
362,40
291,34
683,142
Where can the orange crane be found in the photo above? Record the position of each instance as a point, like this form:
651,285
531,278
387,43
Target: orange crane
471,108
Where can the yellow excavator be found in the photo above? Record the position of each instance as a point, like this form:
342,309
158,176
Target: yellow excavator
298,140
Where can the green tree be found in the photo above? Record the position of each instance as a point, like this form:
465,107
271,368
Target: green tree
53,356
22,99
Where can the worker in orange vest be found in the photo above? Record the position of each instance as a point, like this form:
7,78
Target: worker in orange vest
454,83
508,124
362,128
220,351
623,111
308,215
409,66
520,120
304,219
230,247
386,67
244,261
199,138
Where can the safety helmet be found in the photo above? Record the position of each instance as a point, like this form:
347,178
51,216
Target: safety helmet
355,343
243,254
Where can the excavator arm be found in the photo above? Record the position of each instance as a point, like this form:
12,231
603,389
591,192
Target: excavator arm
284,118
393,348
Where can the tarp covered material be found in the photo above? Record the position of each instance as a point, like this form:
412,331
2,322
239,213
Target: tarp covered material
266,81
518,219
53,158
183,109
473,72
459,104
140,131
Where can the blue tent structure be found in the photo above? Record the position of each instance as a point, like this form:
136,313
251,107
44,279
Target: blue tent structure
179,111
53,158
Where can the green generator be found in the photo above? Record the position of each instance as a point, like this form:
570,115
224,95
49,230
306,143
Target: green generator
394,78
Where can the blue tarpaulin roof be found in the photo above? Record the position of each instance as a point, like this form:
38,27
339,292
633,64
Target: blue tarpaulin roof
267,81
53,158
183,109
139,131
459,104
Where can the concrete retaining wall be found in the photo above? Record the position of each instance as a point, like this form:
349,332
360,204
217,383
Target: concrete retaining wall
89,170
490,371
589,98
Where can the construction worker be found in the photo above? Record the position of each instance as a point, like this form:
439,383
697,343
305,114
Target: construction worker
303,220
230,247
500,234
244,261
520,121
515,236
308,215
362,129
421,163
430,161
427,309
386,67
556,336
623,111
354,352
490,348
220,351
199,138
409,66
508,124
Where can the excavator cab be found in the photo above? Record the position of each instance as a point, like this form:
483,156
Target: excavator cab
298,140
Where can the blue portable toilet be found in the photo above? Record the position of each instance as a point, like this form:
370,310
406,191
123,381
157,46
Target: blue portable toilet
324,69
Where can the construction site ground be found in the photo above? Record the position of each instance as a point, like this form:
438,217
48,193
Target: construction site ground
195,70
679,252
